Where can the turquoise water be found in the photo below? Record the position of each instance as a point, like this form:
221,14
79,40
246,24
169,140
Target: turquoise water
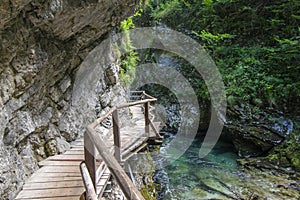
190,177
218,176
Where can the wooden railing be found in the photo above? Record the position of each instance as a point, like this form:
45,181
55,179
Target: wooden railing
94,143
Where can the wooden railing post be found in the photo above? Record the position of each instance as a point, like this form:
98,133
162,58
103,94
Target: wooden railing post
89,157
147,120
117,139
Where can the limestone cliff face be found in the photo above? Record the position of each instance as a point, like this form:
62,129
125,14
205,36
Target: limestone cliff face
43,44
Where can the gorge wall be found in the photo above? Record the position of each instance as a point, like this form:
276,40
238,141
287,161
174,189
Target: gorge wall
43,43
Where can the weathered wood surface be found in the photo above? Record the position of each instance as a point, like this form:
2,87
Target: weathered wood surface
59,176
90,193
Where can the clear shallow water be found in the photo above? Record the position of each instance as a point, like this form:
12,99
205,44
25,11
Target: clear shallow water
217,176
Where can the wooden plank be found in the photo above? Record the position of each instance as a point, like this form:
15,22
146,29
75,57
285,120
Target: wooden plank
102,182
63,157
130,153
77,146
76,149
101,186
59,169
134,146
53,179
61,192
53,185
65,174
74,152
101,169
104,175
133,141
52,198
77,142
59,163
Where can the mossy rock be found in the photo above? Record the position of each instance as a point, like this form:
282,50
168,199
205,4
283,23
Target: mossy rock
51,147
296,163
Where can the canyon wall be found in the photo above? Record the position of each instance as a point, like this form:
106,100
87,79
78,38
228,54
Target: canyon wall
43,44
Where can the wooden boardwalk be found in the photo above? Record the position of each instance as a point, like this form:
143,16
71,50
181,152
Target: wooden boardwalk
59,176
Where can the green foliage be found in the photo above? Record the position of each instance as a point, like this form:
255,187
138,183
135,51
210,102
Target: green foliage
127,24
148,193
129,60
210,41
251,21
128,64
164,9
255,44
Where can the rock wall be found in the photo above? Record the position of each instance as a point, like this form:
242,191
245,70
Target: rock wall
43,43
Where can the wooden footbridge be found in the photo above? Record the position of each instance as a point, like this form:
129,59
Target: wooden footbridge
84,171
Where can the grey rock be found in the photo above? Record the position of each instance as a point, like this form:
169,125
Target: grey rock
52,132
55,94
3,123
43,119
7,85
106,98
65,84
112,74
255,134
15,104
19,128
62,145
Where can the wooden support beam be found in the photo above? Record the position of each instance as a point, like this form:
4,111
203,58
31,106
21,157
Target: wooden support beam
147,120
129,190
89,157
117,139
155,130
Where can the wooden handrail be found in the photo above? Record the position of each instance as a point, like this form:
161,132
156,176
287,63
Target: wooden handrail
137,91
92,141
102,118
136,103
147,95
